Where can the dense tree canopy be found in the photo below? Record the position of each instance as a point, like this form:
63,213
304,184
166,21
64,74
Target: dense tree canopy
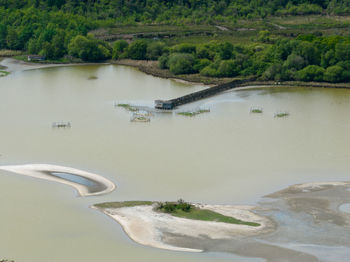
305,59
57,28
165,10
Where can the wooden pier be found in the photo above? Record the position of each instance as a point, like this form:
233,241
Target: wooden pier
211,91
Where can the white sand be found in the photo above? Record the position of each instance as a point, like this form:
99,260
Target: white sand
146,226
38,171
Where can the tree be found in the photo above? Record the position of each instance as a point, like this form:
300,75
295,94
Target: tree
342,52
118,48
3,34
227,68
309,52
155,50
311,73
334,74
47,50
58,45
163,61
184,48
200,64
294,61
328,58
203,52
210,71
12,41
181,63
264,36
89,49
77,44
137,50
273,72
33,47
225,50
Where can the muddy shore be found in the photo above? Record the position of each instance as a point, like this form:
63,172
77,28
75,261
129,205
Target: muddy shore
151,68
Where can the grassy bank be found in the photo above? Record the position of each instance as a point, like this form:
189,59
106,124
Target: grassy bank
208,215
180,209
123,204
10,53
4,73
189,211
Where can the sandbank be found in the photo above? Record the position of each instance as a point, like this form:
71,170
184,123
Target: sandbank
87,184
146,226
296,225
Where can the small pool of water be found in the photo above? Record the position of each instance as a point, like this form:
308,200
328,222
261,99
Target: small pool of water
74,178
345,208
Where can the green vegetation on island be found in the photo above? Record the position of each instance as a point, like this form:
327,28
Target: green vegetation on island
194,113
256,110
281,114
180,209
189,211
124,204
127,107
4,73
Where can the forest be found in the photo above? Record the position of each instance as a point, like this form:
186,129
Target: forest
59,29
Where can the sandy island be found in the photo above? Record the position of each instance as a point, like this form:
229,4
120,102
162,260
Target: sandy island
146,226
87,184
302,223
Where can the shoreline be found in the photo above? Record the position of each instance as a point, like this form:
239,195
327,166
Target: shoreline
147,227
14,65
86,184
151,68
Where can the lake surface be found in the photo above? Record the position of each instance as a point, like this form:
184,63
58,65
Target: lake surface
227,156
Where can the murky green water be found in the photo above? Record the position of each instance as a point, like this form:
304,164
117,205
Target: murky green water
225,156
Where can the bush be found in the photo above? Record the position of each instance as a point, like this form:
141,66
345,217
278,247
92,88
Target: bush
273,72
225,50
163,61
171,207
137,50
200,64
209,71
89,49
311,73
204,52
294,61
334,74
184,48
118,48
227,68
155,50
264,36
180,63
